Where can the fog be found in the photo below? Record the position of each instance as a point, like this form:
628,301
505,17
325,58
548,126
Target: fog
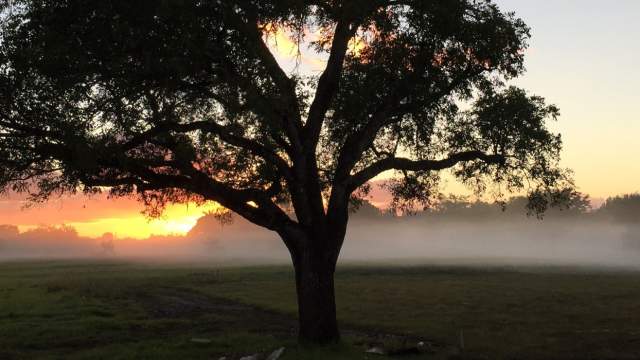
494,237
526,241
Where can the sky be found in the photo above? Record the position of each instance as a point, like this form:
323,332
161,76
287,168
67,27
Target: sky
583,57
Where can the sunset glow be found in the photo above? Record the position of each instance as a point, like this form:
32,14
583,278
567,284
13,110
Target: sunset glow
177,220
95,217
280,40
594,87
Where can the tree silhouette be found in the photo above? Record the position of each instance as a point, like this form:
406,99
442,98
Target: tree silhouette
180,100
623,209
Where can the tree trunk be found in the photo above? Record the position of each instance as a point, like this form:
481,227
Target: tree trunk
316,297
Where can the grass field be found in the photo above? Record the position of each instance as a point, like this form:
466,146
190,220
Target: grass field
122,310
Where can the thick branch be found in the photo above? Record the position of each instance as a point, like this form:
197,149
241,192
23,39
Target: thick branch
138,172
328,82
286,86
387,113
403,164
266,213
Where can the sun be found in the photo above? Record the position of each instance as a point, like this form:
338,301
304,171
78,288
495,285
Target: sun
177,219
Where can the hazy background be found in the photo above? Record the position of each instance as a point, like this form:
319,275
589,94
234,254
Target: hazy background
455,231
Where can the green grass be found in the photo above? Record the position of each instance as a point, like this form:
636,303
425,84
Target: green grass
122,310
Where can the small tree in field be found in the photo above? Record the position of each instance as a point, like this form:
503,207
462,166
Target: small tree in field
180,100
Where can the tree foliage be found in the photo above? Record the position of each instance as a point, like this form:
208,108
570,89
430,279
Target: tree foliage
624,208
182,100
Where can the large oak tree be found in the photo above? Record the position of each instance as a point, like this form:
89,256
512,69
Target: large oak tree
183,100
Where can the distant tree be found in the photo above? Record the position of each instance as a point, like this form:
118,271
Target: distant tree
462,208
567,203
107,244
624,209
365,210
8,232
180,100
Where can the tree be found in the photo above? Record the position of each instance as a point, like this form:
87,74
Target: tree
180,100
623,209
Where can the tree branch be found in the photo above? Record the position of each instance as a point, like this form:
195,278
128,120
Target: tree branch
266,214
403,164
359,141
211,127
286,86
328,82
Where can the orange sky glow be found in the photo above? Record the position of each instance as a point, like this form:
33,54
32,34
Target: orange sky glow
94,216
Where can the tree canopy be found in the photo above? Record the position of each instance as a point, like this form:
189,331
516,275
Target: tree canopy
624,208
179,100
